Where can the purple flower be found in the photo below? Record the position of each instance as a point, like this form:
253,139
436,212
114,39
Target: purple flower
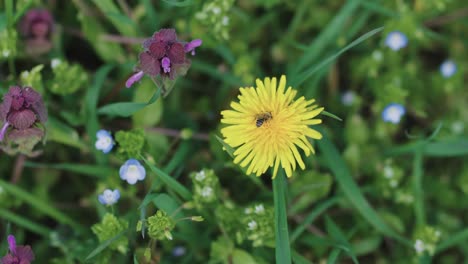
163,55
190,47
109,197
21,109
104,141
37,27
17,254
132,171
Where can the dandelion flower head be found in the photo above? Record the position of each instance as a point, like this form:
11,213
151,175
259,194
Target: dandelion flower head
267,126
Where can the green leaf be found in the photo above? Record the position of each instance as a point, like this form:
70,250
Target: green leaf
151,114
169,181
104,245
339,168
39,205
447,148
334,256
126,109
325,113
59,132
168,205
282,245
179,3
241,257
226,147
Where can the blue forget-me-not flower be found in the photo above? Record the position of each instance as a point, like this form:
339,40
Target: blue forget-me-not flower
393,112
132,171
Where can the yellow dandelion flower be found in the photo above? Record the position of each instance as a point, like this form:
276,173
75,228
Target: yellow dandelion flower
267,126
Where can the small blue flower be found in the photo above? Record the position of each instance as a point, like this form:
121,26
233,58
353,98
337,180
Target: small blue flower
132,171
448,68
178,251
104,141
348,98
393,112
396,40
109,197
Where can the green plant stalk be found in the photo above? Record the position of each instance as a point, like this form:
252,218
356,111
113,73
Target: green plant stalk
417,189
283,250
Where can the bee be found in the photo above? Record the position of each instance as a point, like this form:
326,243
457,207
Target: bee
261,118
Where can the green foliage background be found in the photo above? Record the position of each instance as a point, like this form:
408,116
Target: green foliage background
342,209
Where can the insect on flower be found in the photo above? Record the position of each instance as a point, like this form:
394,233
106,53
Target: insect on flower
261,118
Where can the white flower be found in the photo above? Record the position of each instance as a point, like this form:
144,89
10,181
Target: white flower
248,210
393,183
377,55
225,20
54,63
6,53
216,10
396,40
109,197
448,68
393,112
419,246
206,191
104,141
132,171
388,172
252,225
200,176
259,209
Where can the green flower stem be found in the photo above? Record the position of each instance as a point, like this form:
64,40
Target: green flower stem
283,250
417,188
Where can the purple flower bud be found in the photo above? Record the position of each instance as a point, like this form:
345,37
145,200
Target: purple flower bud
190,47
17,254
11,243
134,78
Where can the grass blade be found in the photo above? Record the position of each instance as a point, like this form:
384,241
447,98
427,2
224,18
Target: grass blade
169,181
104,245
418,190
38,204
24,222
351,190
319,209
453,240
85,169
283,250
297,81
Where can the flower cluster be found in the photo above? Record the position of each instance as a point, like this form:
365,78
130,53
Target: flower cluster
159,226
109,227
205,188
426,240
164,56
23,115
68,78
17,254
259,225
215,16
130,143
267,126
